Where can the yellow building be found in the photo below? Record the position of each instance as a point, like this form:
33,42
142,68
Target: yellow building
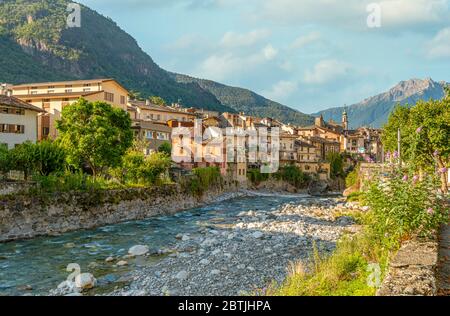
52,97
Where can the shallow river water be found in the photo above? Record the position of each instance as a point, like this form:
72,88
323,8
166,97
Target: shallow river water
34,267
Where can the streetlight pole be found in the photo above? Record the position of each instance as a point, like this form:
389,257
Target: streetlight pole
399,142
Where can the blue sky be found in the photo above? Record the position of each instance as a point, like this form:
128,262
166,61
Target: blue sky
307,54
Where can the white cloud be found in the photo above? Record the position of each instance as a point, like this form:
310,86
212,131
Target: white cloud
270,52
396,14
305,40
326,71
439,46
281,90
232,39
221,66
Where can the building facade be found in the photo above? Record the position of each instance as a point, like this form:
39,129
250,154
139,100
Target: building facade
52,97
18,122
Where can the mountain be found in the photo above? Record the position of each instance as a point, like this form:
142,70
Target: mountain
36,46
375,111
243,100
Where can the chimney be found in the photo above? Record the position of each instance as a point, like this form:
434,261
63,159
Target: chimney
147,102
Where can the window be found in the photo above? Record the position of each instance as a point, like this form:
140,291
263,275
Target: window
51,87
87,84
123,99
12,129
45,131
34,88
149,134
69,86
86,89
5,110
33,92
50,91
109,97
69,90
163,136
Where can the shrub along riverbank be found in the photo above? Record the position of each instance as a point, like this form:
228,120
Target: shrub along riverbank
401,207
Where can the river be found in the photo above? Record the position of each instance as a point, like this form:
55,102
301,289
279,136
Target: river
33,267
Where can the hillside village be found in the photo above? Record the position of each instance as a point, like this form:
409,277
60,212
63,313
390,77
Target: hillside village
30,111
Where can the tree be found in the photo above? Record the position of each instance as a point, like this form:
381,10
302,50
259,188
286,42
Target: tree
5,161
48,157
158,101
21,158
95,134
166,148
425,131
336,164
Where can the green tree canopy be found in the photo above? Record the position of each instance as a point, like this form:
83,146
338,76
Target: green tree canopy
425,131
95,134
158,101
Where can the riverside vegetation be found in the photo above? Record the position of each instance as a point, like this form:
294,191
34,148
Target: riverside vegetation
410,202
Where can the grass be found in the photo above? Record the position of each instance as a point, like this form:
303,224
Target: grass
344,273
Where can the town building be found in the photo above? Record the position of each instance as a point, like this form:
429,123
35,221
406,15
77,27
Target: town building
153,134
146,111
52,97
18,121
365,143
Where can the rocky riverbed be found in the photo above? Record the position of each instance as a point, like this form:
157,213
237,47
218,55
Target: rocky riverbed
239,254
229,247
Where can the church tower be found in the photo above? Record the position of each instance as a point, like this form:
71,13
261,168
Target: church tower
345,120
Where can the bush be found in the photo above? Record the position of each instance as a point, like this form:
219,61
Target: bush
351,179
203,179
166,148
48,157
403,207
256,177
337,164
292,175
22,158
5,161
138,169
68,182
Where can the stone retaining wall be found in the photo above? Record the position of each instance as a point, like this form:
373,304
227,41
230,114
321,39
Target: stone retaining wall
23,216
412,272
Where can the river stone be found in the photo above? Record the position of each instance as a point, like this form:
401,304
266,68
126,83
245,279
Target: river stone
122,263
109,259
182,275
138,250
205,262
258,235
85,281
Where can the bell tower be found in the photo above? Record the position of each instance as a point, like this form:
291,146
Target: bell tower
345,120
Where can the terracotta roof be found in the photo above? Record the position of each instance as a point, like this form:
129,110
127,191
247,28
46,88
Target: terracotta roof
56,83
151,125
155,107
69,82
16,103
300,143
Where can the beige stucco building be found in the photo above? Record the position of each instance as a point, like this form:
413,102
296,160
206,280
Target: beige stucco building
146,111
18,121
52,97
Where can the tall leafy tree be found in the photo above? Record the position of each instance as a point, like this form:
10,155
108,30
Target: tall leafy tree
425,131
95,134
